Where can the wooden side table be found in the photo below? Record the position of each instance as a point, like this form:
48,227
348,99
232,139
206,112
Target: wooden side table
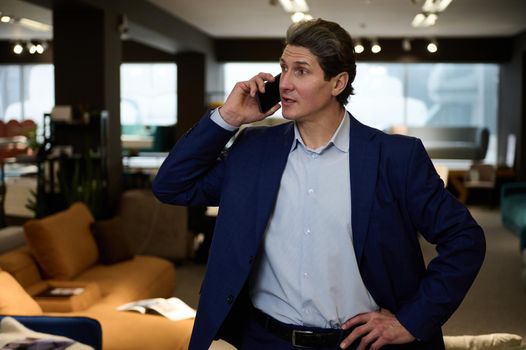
457,176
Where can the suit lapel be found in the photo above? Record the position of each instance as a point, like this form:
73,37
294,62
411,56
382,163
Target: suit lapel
363,163
276,153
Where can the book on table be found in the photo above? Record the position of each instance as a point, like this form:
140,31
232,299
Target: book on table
172,308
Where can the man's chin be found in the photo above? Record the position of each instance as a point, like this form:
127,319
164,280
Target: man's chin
288,115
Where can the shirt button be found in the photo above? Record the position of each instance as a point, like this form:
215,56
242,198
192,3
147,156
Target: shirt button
310,191
307,232
306,275
314,155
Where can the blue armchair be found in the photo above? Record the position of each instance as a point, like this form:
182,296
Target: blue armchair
82,329
513,211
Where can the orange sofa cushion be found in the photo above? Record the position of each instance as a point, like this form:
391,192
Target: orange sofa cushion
139,278
62,243
13,298
21,265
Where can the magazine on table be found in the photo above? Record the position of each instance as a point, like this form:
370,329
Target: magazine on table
172,308
53,292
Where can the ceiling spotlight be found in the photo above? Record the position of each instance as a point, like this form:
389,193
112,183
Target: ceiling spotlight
424,20
292,6
418,20
435,5
406,45
430,20
32,48
432,46
6,19
39,49
17,49
300,16
429,14
375,47
358,47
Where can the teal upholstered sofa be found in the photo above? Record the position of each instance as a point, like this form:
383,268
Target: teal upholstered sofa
513,212
513,209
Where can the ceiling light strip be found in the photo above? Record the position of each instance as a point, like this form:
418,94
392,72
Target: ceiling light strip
292,6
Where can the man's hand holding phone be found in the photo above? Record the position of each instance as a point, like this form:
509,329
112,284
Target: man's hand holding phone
242,107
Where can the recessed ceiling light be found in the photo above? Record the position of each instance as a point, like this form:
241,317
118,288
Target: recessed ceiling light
432,46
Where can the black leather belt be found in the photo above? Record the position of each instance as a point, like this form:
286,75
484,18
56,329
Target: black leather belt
299,337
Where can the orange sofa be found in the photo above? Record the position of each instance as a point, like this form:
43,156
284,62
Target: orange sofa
61,252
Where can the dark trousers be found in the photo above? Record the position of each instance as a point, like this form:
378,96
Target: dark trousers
258,338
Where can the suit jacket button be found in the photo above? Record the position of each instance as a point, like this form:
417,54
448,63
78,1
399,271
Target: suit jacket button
230,299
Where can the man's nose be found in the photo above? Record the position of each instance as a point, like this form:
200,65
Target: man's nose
285,83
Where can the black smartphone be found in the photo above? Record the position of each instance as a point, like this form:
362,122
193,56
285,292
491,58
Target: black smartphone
271,96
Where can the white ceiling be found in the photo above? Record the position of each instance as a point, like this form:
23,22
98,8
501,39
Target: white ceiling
362,18
24,9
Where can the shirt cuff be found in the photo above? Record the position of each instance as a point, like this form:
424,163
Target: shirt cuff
218,119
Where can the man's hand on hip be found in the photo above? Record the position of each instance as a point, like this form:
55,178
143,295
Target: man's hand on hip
376,329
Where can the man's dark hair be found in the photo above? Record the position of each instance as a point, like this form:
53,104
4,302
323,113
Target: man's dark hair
331,44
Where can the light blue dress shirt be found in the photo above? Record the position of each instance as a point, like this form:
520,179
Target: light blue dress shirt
307,272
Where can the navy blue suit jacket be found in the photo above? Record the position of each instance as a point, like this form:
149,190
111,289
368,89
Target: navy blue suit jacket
395,194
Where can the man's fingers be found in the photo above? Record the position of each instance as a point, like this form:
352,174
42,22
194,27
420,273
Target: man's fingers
358,319
266,76
272,110
257,83
377,329
367,339
355,334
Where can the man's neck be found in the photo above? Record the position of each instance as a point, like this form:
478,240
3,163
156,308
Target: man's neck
316,132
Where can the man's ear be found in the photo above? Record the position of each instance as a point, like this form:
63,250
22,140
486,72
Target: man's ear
340,82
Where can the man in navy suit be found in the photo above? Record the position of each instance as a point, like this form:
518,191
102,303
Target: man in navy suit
316,240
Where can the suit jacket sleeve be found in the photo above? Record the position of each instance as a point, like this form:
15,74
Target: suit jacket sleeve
459,241
193,172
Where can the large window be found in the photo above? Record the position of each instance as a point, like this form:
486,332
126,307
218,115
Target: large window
426,94
26,91
148,94
412,94
148,106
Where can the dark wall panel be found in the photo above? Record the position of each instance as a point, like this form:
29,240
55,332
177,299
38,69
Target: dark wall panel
450,50
190,90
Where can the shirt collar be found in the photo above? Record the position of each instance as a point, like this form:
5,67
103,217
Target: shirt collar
340,138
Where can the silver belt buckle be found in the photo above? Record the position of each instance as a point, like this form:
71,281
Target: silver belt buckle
294,332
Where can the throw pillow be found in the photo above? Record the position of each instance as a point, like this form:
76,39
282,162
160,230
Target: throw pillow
62,243
14,300
17,336
482,342
111,240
